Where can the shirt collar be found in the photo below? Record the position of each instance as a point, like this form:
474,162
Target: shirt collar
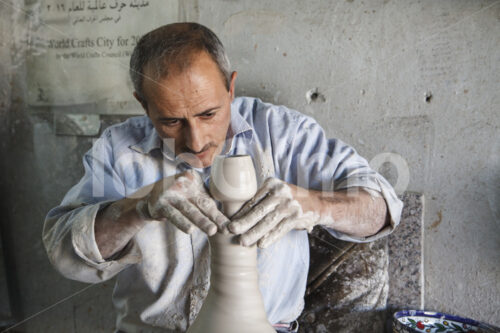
150,141
238,124
153,141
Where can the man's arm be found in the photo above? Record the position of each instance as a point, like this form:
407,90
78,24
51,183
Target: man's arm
181,199
330,174
115,226
278,208
68,236
68,232
355,212
86,236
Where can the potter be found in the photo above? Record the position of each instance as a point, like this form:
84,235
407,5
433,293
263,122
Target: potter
151,223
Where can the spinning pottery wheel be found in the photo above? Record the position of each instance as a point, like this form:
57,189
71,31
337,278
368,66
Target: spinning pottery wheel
234,302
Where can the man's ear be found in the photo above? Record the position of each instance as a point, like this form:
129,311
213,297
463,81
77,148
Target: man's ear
231,84
142,101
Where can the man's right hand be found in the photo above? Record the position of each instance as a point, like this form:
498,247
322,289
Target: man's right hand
181,200
184,201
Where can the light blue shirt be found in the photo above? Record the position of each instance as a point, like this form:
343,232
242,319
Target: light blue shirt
163,274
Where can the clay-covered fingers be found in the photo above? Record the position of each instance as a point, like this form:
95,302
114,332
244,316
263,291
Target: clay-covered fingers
191,175
208,207
265,225
184,201
242,224
266,190
284,227
176,218
185,216
193,214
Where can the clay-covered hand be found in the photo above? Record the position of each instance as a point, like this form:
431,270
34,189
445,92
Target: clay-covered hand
184,201
271,214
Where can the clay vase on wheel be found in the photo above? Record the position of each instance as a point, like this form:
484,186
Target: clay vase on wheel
234,303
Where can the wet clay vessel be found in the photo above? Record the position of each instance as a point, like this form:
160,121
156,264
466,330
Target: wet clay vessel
234,302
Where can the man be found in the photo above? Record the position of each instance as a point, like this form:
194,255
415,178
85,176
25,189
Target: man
142,212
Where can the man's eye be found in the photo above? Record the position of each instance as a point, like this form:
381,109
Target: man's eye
208,115
172,122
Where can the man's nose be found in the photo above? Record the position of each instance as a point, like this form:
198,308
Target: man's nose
194,139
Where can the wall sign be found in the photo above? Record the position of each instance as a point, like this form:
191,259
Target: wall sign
82,51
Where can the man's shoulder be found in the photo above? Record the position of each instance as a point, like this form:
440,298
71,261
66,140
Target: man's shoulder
255,111
129,132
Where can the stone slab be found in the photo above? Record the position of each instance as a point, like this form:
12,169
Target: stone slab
406,271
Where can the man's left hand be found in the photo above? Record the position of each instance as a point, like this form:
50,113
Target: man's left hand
271,214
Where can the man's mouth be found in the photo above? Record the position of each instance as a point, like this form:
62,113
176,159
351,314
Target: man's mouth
201,154
198,157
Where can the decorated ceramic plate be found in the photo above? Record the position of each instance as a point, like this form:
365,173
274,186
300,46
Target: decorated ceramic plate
414,321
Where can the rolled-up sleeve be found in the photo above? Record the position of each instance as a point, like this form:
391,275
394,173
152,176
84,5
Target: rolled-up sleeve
68,233
319,163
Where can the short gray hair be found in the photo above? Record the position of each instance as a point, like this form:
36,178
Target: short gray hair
175,45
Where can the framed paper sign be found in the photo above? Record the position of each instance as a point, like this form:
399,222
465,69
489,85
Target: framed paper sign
81,51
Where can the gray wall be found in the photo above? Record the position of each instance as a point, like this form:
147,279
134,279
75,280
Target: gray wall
373,63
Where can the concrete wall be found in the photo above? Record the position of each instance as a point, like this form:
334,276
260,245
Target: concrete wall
415,78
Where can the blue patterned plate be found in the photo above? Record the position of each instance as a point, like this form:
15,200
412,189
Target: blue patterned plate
416,321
